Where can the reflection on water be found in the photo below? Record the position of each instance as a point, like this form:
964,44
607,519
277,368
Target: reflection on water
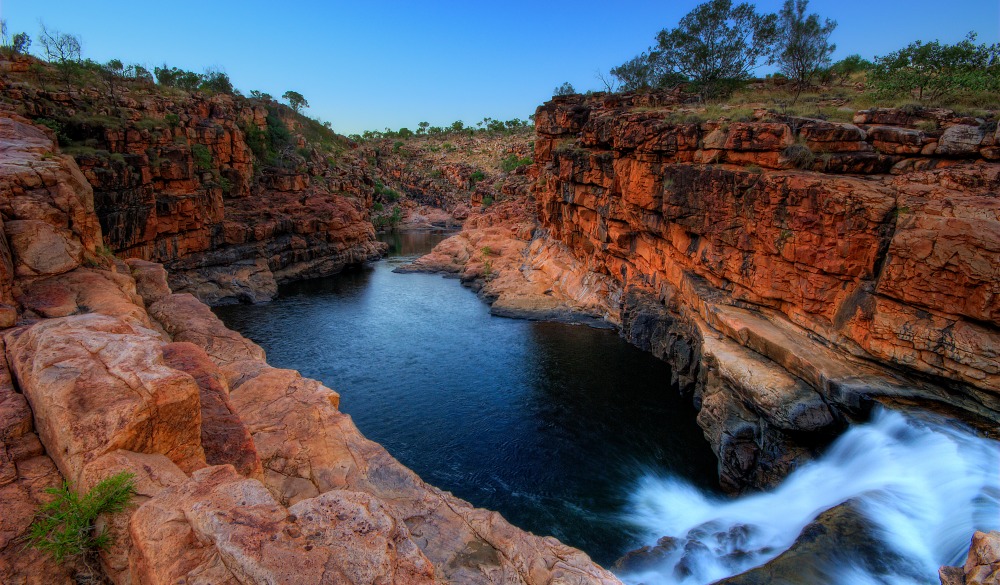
546,423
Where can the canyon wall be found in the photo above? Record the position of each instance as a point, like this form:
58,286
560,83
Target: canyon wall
244,473
233,195
791,270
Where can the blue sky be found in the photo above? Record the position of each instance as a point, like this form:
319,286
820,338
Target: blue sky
376,64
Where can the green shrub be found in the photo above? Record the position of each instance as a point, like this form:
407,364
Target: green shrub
934,71
512,162
799,155
386,192
202,156
148,124
174,77
57,127
215,81
476,177
487,201
64,527
172,120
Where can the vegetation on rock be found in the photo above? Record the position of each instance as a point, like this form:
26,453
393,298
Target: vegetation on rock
934,71
803,44
65,526
714,50
296,100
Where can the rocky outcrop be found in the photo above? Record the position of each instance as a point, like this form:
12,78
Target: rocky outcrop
792,270
982,565
501,254
838,541
229,193
244,473
25,473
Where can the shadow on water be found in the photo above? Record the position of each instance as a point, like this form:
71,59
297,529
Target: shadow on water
547,423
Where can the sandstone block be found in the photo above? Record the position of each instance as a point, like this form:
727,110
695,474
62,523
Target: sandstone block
39,248
96,384
221,528
150,280
186,318
960,140
224,437
153,473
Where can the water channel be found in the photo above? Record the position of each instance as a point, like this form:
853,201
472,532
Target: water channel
543,422
569,431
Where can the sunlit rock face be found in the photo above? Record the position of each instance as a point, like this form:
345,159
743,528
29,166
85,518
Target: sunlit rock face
174,179
794,269
244,473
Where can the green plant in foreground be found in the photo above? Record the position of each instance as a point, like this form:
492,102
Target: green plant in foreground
65,528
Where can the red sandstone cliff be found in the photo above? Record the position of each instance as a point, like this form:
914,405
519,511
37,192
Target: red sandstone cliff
796,268
233,195
245,473
791,270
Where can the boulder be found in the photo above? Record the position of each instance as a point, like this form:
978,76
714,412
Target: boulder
219,527
152,474
97,384
25,473
84,290
186,318
224,437
150,280
309,448
960,140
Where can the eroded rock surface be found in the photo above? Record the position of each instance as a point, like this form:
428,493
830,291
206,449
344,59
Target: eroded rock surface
799,268
244,473
175,179
982,565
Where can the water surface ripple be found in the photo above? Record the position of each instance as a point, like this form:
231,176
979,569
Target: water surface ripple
544,422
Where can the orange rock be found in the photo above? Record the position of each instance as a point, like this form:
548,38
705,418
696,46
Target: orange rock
151,474
224,437
185,318
222,528
97,384
308,448
25,474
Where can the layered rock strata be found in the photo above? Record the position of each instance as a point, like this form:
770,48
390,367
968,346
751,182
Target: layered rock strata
185,180
792,270
244,473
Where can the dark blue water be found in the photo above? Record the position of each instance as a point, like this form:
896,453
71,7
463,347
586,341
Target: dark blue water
550,424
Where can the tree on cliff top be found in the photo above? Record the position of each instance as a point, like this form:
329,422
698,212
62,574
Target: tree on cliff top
565,89
803,46
717,44
15,45
646,71
295,100
63,51
934,71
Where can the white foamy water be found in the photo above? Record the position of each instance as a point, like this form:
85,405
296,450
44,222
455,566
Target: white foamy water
926,485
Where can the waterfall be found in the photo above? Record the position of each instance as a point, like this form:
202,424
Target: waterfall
923,483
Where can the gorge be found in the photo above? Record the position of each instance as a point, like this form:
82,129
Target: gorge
812,304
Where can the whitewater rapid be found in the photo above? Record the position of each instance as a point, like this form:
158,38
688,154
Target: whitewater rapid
924,483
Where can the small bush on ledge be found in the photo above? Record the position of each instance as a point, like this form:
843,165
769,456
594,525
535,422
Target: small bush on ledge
799,155
65,527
